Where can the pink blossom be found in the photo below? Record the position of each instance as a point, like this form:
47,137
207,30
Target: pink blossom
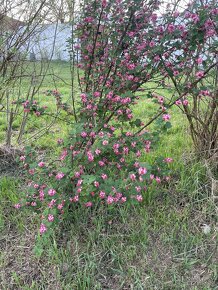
157,58
132,177
139,197
51,203
90,156
76,198
75,153
26,103
138,188
88,204
158,179
97,151
97,94
83,98
181,28
101,163
171,28
79,182
178,102
126,150
31,171
77,46
131,66
161,99
60,206
151,176
154,17
118,195
199,60
37,114
128,134
123,199
110,199
119,166
130,116
92,134
102,194
105,142
185,102
41,195
59,176
131,33
136,164
166,117
77,174
89,107
176,13
116,146
96,183
41,164
138,153
17,206
142,170
51,192
211,32
175,73
104,176
199,74
63,154
50,218
205,92
83,134
22,158
195,18
42,229
89,19
152,44
79,189
101,134
130,77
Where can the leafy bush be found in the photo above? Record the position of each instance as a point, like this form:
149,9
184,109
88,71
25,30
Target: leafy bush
122,46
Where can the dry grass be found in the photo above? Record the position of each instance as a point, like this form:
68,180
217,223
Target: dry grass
157,246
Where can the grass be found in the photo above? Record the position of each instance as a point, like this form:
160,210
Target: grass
158,245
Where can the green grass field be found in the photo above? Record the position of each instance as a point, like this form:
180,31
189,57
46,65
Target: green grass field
157,245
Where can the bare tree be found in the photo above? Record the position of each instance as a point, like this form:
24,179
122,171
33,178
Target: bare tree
14,35
60,10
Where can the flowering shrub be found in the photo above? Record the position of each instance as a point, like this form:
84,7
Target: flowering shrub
31,106
122,45
94,168
193,71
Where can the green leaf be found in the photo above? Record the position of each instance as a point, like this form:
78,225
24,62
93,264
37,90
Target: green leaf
138,122
168,125
88,179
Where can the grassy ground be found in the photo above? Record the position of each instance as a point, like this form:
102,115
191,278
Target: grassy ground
158,245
